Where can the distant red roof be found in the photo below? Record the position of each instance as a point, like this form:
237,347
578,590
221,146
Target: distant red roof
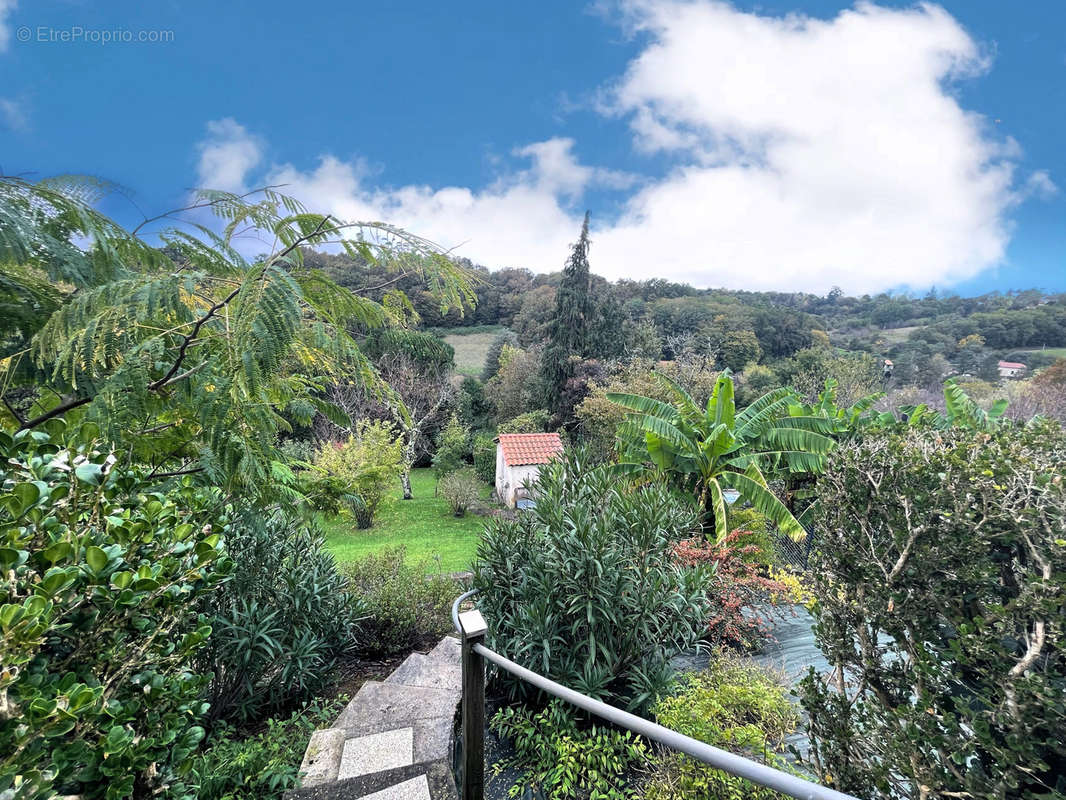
530,448
1011,365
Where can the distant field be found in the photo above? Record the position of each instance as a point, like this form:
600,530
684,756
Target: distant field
472,347
897,335
1058,352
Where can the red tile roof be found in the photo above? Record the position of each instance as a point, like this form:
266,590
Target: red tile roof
1011,365
530,448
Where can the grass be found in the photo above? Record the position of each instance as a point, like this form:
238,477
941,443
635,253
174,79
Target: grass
897,335
472,347
424,525
1058,352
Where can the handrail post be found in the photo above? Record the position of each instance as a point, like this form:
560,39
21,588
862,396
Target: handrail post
473,629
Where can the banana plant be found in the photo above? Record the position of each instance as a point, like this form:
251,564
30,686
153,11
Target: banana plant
825,417
962,412
706,451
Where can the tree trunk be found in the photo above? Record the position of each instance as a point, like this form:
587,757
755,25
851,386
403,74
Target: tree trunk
410,450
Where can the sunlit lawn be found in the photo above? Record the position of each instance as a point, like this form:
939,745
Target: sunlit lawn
424,525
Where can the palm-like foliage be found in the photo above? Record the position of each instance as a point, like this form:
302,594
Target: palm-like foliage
191,355
708,450
827,418
961,412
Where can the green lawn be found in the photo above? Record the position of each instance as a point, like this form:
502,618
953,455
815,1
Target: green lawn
472,347
424,525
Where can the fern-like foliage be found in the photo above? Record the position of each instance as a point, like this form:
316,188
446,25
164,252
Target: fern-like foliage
189,355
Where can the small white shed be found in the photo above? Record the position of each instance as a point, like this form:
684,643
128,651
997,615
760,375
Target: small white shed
519,457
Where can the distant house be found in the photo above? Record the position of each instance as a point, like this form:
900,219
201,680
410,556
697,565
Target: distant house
519,457
1011,369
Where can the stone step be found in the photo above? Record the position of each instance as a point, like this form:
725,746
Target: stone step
413,789
393,741
376,752
381,706
448,649
437,776
428,672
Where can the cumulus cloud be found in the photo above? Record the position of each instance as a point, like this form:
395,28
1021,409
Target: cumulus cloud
804,153
227,155
6,8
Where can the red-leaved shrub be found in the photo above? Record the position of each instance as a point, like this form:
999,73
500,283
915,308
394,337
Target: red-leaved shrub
743,594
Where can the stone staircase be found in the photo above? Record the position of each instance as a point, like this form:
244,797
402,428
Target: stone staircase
393,741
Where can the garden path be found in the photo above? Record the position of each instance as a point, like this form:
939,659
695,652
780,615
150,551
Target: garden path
393,741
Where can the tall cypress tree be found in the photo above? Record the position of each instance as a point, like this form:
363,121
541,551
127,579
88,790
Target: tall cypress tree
570,328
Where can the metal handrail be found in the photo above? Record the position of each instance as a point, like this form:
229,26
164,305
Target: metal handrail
724,760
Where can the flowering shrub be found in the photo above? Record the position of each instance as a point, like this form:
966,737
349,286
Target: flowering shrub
742,592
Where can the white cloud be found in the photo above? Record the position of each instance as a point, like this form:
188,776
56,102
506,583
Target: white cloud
806,153
6,8
13,115
1039,184
227,155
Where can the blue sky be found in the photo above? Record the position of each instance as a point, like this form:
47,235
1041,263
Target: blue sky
791,145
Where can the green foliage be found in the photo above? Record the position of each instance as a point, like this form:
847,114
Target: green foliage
559,761
475,411
461,490
961,412
530,422
453,447
421,347
584,589
280,622
705,451
485,457
188,356
514,388
358,472
265,765
99,619
731,705
739,349
939,583
571,325
599,418
402,604
492,360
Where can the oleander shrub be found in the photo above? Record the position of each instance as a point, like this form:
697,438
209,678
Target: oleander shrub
732,705
401,602
940,581
558,760
264,765
461,490
280,622
102,579
585,588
